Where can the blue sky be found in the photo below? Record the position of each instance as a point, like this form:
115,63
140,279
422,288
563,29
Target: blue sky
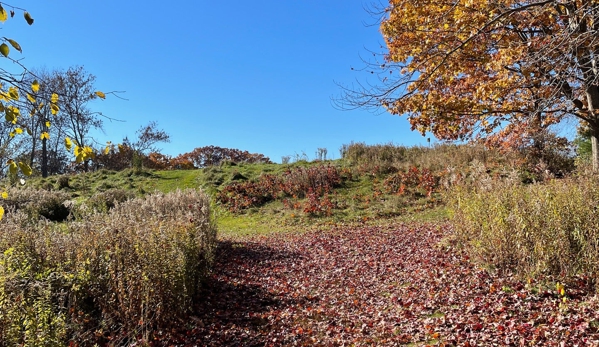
253,75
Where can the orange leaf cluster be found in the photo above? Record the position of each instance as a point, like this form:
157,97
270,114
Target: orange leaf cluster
490,68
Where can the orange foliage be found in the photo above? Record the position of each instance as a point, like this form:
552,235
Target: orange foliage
488,69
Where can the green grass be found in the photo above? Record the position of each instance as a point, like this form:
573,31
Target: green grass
359,200
167,181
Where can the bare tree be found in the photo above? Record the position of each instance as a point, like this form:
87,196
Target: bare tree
76,90
147,138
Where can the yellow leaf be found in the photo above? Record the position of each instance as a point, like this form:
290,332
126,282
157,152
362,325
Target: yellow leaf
4,195
12,167
4,49
48,124
19,130
10,115
11,134
83,153
54,108
3,14
25,169
35,86
28,18
67,143
89,153
15,45
100,94
31,98
1,212
45,136
13,93
560,289
107,149
54,98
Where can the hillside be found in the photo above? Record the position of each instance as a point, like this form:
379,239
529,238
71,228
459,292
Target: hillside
441,246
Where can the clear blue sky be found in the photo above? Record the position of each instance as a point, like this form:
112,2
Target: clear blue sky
253,75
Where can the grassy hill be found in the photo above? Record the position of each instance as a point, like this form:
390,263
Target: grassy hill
362,192
116,247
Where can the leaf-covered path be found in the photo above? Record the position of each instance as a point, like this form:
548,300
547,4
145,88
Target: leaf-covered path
378,286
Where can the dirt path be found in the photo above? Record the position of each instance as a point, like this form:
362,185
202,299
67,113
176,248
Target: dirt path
378,286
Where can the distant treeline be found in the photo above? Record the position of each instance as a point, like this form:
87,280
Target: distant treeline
122,156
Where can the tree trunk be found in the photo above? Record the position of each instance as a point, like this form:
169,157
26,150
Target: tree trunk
592,92
44,158
32,154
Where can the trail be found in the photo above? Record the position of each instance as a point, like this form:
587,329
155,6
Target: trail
377,286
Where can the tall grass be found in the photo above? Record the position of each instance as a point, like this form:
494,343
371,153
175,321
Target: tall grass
387,158
112,276
543,228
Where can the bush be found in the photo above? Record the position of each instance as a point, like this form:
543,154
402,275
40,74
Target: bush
414,181
314,182
380,160
63,182
111,278
52,205
546,228
105,201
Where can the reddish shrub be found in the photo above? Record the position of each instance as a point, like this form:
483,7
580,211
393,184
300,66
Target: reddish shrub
411,181
314,183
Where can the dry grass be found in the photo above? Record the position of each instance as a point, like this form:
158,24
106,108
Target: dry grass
545,228
109,276
386,158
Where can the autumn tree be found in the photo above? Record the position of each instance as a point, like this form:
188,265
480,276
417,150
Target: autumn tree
499,70
15,95
214,155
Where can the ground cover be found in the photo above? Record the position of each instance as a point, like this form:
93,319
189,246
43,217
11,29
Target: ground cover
358,251
387,285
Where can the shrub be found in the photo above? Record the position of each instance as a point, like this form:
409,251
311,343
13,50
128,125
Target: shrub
157,161
318,205
380,160
546,154
300,182
45,185
213,155
117,158
63,182
51,205
320,180
238,196
546,228
105,201
413,182
108,279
